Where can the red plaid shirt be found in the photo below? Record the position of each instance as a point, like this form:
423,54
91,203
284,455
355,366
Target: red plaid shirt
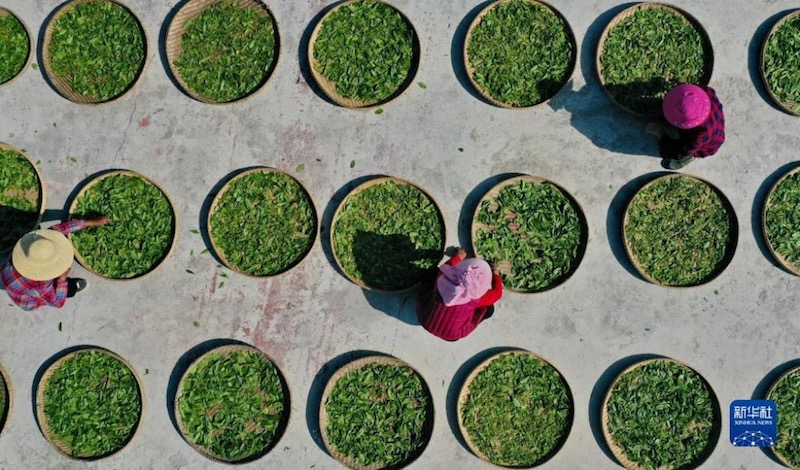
702,141
30,294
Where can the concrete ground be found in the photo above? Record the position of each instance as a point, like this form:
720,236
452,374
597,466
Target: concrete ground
734,330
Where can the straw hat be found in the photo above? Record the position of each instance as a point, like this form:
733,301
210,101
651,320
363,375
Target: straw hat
42,255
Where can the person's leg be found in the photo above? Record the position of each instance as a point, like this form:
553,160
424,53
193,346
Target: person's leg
676,163
75,285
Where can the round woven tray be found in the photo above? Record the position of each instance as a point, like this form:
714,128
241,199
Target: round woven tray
8,392
358,189
463,395
772,386
620,455
191,10
329,87
42,194
103,176
504,266
61,85
224,190
788,265
346,460
7,12
707,47
471,71
41,417
762,62
732,233
225,351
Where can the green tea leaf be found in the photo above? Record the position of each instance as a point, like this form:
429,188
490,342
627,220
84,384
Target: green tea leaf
264,223
520,53
786,395
232,405
97,48
365,48
782,219
517,410
227,51
140,233
20,197
661,415
92,404
782,63
532,232
388,236
16,47
678,230
377,415
647,54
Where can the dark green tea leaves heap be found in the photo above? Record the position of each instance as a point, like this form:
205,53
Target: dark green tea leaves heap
140,233
366,49
232,405
98,49
377,415
520,53
264,223
227,51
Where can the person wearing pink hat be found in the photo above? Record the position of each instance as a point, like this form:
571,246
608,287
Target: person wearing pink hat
463,296
36,273
696,125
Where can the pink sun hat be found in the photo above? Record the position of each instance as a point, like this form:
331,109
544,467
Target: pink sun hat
686,106
464,282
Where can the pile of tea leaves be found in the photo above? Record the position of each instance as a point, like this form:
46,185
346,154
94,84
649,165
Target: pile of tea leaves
20,197
16,47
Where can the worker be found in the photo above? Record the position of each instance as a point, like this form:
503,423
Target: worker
36,273
695,125
462,296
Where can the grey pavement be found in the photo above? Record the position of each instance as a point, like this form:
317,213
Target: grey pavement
734,330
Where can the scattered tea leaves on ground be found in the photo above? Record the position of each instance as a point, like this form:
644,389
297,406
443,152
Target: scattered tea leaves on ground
366,49
92,404
97,48
520,53
227,51
678,230
532,232
264,223
517,410
140,233
647,54
661,415
786,395
783,219
782,63
388,236
20,197
231,405
16,47
377,415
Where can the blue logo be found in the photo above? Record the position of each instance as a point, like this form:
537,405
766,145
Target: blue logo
754,423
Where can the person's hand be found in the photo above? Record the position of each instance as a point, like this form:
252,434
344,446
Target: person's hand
461,253
63,277
495,269
99,221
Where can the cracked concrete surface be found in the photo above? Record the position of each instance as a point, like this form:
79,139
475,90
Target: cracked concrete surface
734,330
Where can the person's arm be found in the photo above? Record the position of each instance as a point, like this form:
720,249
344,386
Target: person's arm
495,293
79,224
454,260
56,293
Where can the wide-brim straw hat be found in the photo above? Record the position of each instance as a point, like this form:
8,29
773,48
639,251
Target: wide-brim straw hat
42,255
